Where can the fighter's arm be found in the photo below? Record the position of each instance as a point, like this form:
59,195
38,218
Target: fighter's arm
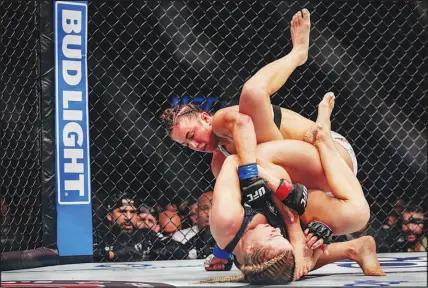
217,163
230,124
305,257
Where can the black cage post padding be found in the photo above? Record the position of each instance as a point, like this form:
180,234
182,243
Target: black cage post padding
20,122
27,102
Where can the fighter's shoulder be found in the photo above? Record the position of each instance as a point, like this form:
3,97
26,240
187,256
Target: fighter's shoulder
230,108
225,111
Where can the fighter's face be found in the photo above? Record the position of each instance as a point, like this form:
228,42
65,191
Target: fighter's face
204,210
148,221
266,235
412,225
193,215
195,133
123,217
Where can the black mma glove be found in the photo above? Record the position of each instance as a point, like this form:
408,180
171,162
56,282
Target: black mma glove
321,230
255,192
297,199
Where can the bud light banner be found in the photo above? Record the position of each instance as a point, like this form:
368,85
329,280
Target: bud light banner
74,218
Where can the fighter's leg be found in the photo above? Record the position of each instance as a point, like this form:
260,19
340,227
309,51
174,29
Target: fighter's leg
361,250
255,97
300,159
341,213
342,181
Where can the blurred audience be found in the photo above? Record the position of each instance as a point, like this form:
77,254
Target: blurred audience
127,238
169,222
399,206
146,220
187,213
388,234
180,230
413,238
198,238
193,215
391,223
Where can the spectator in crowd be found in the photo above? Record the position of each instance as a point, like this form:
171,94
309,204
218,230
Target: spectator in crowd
146,220
165,203
193,216
197,238
171,207
399,207
412,231
122,215
169,222
391,223
158,209
123,241
187,215
387,234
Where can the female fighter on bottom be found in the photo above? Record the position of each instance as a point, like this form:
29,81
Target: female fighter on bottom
260,250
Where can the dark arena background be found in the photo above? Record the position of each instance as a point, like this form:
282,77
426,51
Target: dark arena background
142,57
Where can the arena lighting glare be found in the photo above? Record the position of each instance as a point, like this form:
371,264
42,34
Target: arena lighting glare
191,50
421,7
333,61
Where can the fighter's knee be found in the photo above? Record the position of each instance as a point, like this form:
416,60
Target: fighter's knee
362,214
366,214
252,92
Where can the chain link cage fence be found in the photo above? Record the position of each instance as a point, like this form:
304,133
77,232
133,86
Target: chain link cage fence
148,56
144,57
20,156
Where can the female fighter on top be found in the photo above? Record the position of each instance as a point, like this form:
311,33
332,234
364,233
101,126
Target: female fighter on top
238,129
257,240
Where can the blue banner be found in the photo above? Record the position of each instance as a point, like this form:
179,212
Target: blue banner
73,187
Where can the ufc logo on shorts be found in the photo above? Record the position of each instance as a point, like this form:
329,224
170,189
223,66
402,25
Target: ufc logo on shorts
257,194
304,200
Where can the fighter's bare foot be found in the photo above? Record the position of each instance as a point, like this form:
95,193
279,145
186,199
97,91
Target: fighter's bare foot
300,28
364,253
325,108
321,131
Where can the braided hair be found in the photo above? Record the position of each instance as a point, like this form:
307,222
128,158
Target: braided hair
257,270
170,116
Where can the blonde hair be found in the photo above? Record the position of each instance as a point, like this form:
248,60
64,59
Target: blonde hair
257,270
170,116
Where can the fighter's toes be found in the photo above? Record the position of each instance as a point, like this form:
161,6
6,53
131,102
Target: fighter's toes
305,14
